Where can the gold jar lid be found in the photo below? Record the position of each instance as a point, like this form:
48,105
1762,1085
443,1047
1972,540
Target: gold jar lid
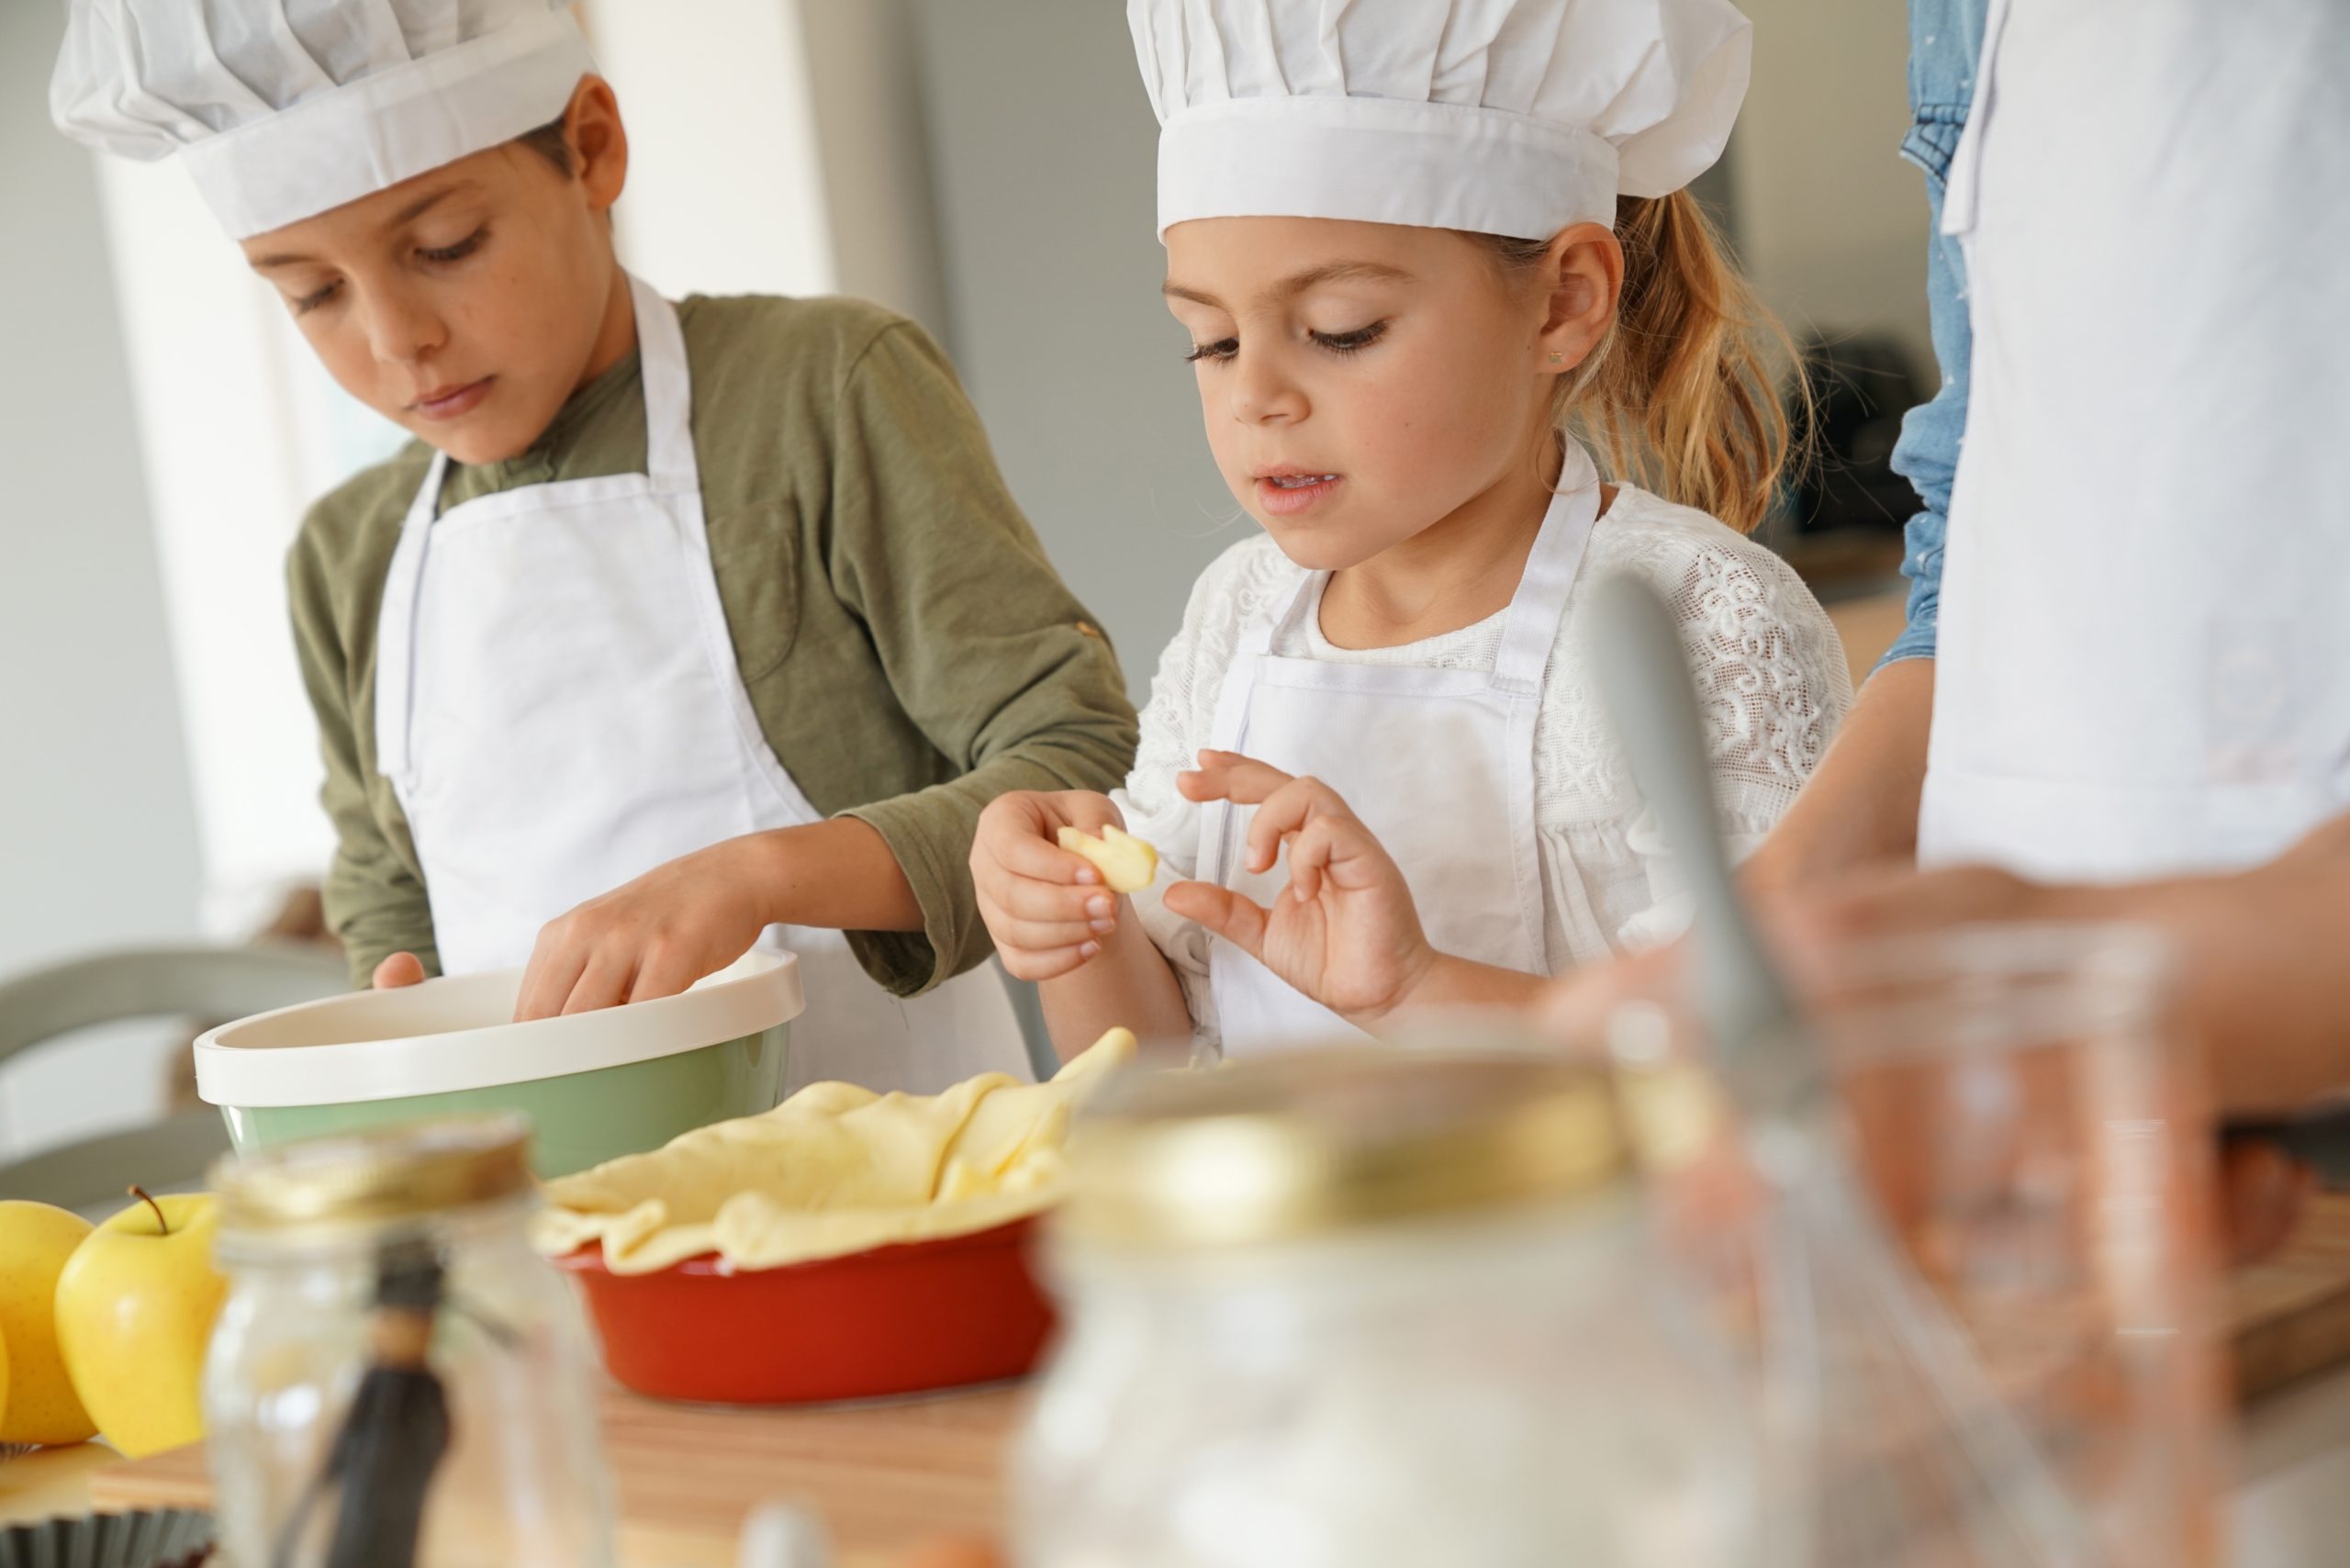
376,1177
1318,1142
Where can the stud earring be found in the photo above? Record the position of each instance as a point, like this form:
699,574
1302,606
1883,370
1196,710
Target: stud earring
1557,357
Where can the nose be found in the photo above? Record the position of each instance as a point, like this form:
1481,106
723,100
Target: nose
1264,392
401,328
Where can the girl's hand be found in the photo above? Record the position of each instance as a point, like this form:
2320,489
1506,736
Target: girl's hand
655,935
1046,907
1344,931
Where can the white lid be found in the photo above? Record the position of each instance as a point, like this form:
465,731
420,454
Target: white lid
450,1035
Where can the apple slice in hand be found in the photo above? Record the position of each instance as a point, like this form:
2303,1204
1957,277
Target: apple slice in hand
1125,862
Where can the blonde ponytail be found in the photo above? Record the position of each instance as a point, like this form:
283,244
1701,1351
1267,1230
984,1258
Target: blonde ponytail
1681,397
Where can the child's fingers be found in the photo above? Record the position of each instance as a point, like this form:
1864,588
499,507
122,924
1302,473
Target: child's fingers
554,968
1310,853
1026,964
1086,812
1040,936
1236,919
1228,775
604,982
663,971
399,969
1041,860
1025,898
1288,811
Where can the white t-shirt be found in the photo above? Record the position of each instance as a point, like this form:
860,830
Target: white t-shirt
1771,679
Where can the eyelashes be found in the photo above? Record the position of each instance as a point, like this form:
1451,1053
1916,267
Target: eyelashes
1354,342
1225,349
438,255
461,250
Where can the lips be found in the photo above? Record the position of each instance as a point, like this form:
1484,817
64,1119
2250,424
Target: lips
449,402
1290,492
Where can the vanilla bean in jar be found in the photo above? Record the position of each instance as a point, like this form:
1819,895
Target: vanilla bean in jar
398,1379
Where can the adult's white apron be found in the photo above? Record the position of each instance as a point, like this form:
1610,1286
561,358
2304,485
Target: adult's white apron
2145,659
1437,762
559,710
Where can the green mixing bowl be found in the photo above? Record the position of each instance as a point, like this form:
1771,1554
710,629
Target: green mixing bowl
594,1085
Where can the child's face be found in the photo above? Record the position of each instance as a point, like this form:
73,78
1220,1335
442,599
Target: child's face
1361,382
467,304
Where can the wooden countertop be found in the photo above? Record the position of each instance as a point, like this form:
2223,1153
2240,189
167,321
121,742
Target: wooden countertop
886,1477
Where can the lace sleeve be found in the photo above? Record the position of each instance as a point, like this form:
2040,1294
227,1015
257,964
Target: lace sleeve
1773,686
1770,671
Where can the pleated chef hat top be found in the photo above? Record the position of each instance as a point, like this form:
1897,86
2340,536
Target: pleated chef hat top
284,108
1497,117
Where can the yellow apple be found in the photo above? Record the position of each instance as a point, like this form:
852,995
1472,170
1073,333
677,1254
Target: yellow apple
3,1377
135,1308
36,1239
1125,862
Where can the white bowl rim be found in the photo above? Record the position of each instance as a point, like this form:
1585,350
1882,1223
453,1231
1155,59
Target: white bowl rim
393,1045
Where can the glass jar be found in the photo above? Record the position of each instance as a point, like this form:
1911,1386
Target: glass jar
2033,1132
394,1355
1353,1309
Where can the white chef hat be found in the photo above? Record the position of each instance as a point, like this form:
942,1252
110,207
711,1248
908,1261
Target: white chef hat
284,108
1496,117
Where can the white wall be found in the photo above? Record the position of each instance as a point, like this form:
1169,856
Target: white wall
1831,220
239,430
776,146
723,191
1044,155
97,829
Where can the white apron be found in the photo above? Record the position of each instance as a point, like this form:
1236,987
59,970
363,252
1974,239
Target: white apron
2145,659
559,710
1437,762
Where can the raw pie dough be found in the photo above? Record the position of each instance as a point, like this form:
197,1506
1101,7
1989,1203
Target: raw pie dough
832,1170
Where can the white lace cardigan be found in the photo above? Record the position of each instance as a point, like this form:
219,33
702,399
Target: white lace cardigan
1771,674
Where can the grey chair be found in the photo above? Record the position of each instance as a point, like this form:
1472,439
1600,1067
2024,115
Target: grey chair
210,985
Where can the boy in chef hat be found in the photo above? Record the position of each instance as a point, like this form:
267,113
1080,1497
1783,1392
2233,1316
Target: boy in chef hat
724,596
1428,255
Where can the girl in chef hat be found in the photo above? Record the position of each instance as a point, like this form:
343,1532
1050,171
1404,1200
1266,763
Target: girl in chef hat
723,596
1429,257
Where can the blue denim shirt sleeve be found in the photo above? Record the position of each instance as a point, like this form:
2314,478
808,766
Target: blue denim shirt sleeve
1946,45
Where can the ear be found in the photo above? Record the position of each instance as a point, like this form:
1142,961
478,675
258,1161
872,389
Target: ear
1583,275
591,124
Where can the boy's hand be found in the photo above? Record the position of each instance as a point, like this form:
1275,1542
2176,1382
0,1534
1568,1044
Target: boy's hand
1045,905
654,936
1344,931
399,969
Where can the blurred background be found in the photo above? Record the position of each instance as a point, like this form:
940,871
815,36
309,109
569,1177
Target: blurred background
987,169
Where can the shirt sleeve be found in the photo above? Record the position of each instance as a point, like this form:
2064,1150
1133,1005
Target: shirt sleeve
374,897
985,648
1945,37
1773,688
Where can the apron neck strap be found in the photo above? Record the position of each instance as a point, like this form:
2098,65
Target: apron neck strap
669,459
1530,625
1530,629
669,392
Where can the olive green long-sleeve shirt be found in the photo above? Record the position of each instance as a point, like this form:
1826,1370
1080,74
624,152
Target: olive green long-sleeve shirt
910,651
